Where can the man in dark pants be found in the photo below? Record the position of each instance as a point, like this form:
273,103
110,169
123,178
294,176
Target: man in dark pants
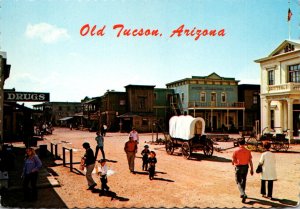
131,149
100,143
241,159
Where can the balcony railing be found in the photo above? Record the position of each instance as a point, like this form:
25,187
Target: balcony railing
284,87
198,104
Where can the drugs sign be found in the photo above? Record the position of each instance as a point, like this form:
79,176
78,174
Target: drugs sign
12,96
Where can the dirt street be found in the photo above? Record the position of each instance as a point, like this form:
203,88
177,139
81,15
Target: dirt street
198,182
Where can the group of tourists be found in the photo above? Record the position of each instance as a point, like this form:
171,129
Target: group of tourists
242,159
130,148
88,161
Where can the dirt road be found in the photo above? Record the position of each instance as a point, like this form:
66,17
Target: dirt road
199,182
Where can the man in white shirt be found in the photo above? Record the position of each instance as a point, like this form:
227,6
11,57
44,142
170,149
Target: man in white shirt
134,134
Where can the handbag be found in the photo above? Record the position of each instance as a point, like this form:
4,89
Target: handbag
259,168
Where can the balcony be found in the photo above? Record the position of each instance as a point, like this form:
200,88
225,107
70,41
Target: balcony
284,88
216,105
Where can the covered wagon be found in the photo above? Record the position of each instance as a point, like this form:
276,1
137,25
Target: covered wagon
187,133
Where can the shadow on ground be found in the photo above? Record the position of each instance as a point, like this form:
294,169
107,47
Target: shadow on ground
110,194
276,203
13,196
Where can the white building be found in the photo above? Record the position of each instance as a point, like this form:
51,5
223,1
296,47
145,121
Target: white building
280,89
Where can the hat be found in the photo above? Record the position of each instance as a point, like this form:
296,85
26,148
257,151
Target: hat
146,146
102,161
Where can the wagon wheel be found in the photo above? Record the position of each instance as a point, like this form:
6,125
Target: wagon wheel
252,143
169,147
277,146
285,146
186,150
208,149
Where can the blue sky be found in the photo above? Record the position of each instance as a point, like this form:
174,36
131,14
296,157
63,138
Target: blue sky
47,53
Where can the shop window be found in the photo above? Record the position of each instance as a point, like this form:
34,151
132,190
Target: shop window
144,122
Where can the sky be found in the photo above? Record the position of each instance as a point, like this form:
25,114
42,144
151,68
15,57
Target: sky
48,53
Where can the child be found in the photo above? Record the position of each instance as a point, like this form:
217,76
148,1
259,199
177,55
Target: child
145,154
152,161
103,176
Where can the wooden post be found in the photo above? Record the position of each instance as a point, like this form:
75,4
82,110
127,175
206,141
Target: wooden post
71,160
64,156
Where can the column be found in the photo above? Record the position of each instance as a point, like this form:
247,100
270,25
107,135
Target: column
290,120
268,116
237,119
211,119
280,107
244,119
227,119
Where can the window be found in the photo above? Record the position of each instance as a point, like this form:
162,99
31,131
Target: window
182,97
294,73
255,98
60,108
271,77
122,102
142,102
144,122
213,97
223,97
202,97
154,96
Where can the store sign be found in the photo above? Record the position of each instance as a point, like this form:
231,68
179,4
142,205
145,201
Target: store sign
12,96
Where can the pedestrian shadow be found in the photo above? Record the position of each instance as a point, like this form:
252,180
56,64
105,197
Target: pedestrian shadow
110,194
282,202
163,179
111,161
198,156
141,172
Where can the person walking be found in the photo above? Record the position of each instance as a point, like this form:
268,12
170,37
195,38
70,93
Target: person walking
268,174
32,165
103,176
89,163
134,134
100,143
131,149
241,159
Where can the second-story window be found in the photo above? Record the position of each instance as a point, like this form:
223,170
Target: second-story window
294,73
142,102
202,97
271,77
255,98
223,97
182,97
213,97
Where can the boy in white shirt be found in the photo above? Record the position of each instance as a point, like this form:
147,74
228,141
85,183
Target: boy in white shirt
103,176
